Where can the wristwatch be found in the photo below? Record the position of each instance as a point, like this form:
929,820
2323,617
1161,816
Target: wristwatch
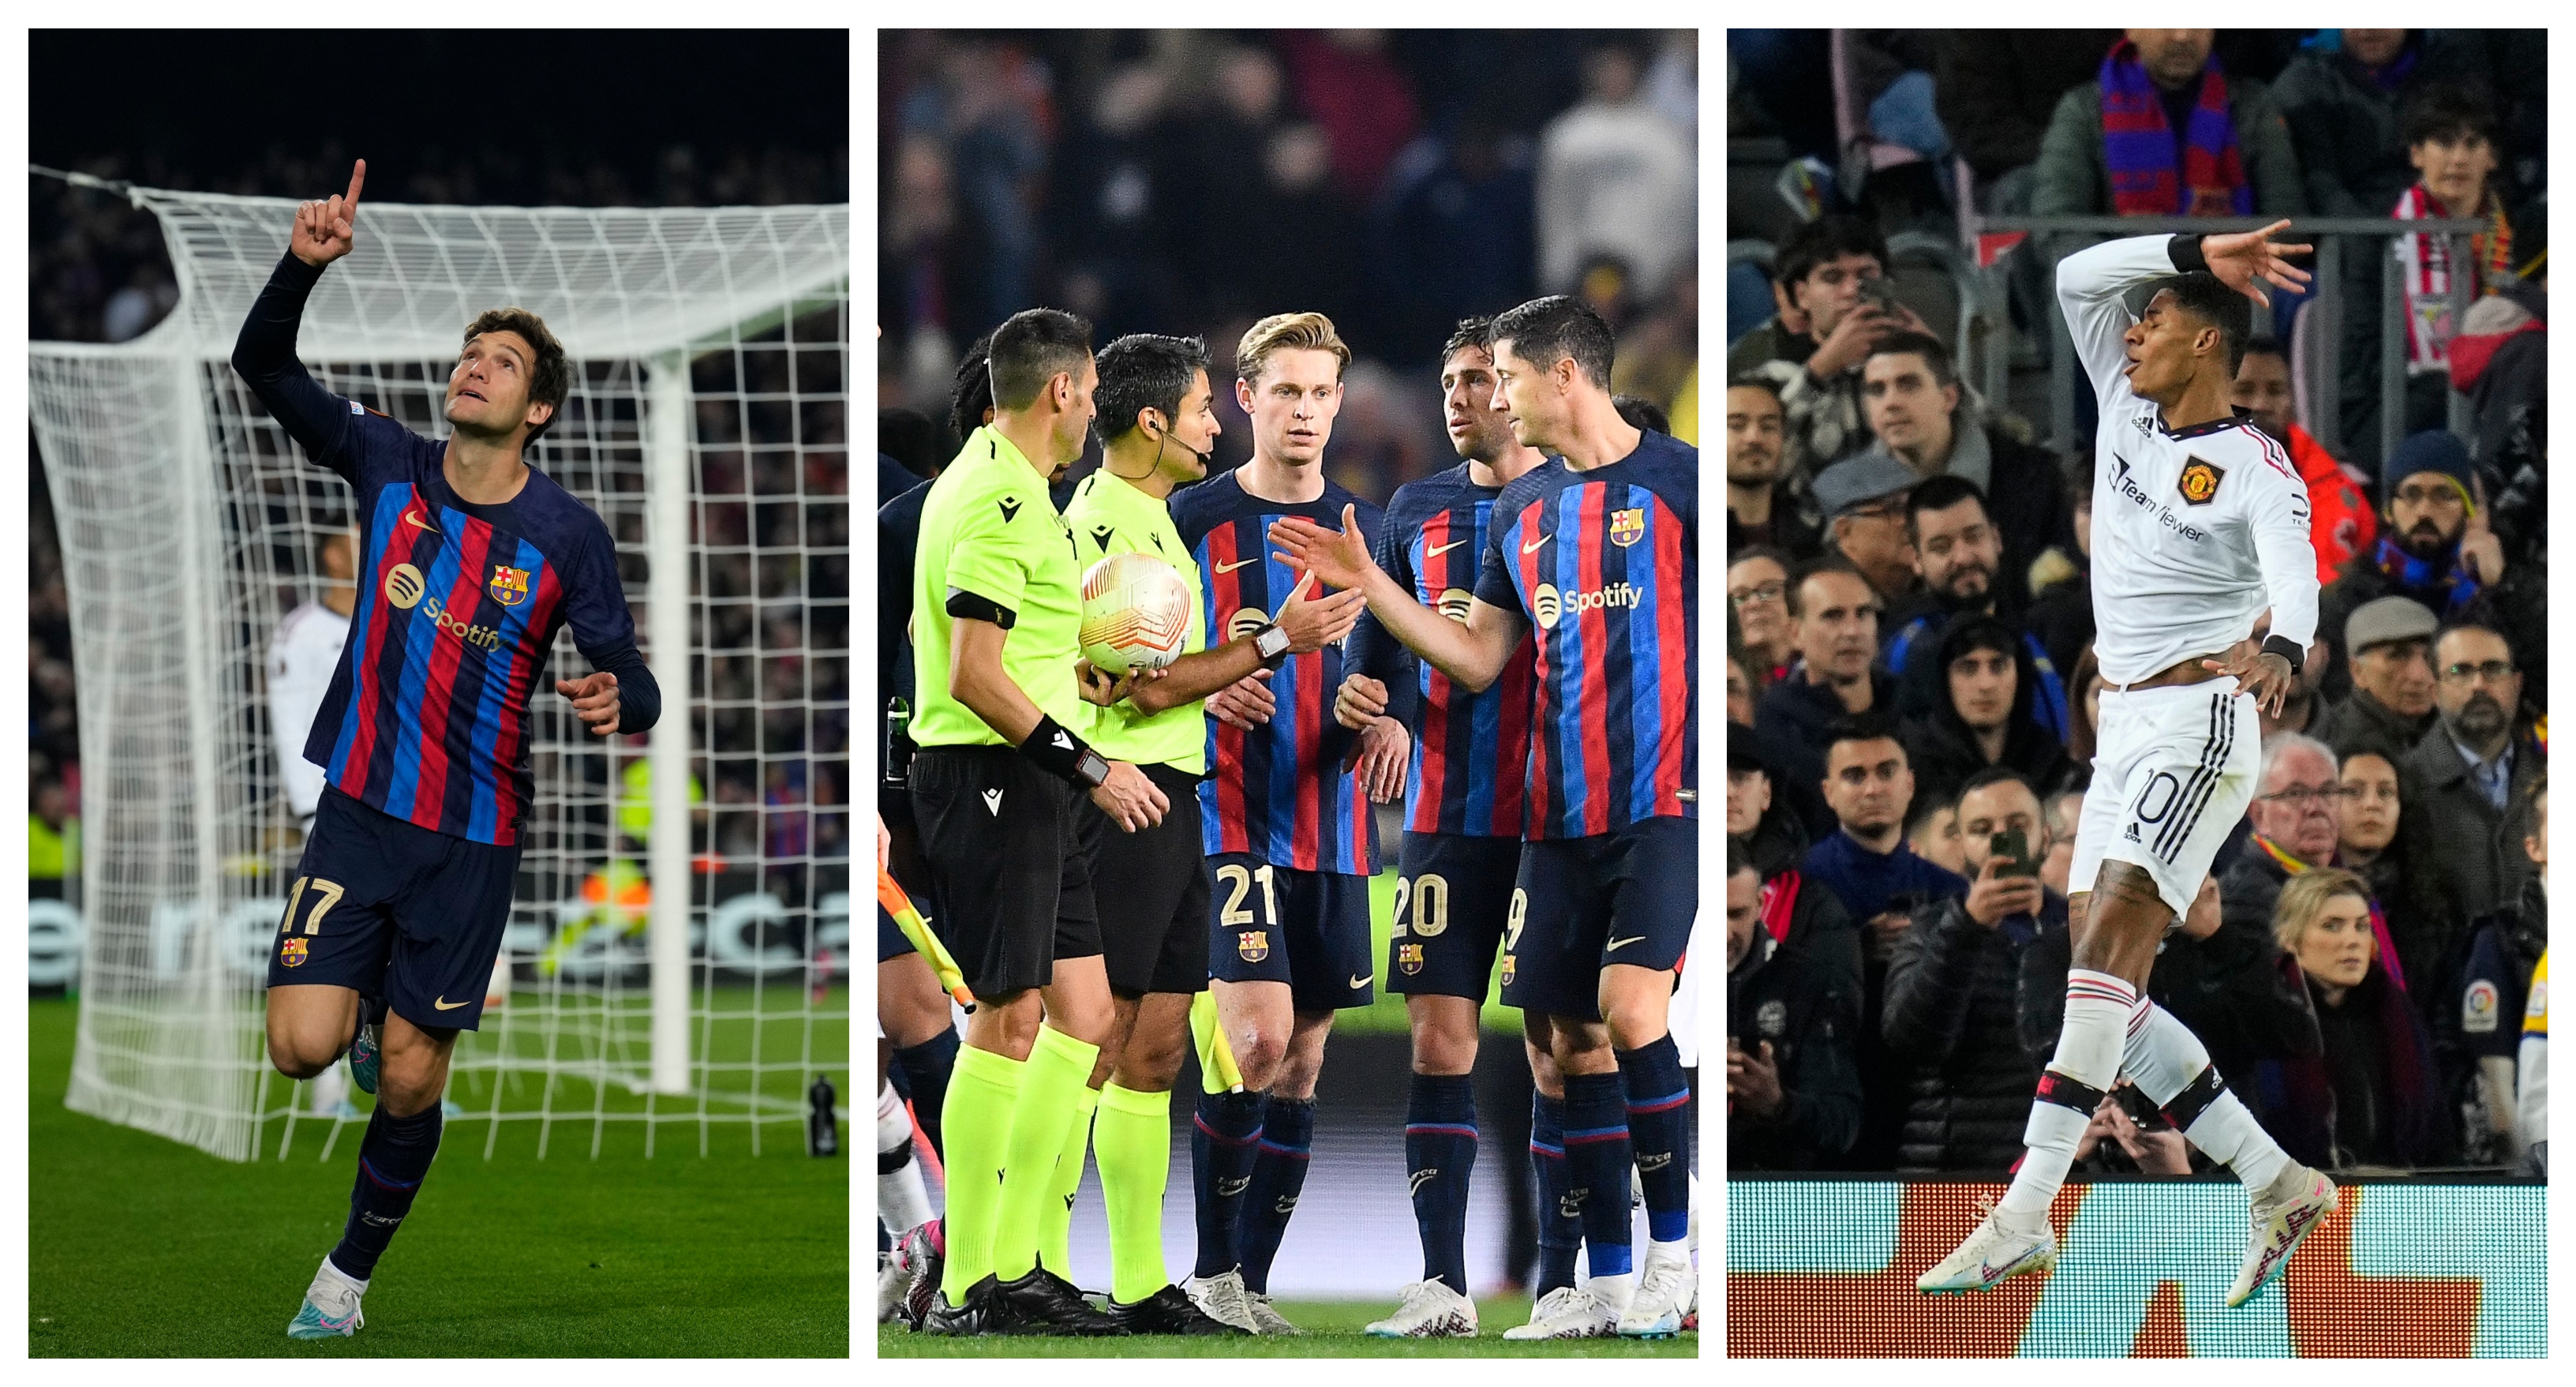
1271,644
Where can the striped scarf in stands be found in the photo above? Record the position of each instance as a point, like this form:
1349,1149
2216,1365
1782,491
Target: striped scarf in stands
2378,916
2425,262
2138,145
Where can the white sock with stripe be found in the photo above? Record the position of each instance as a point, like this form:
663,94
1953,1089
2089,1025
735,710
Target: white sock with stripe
2163,1059
2098,1006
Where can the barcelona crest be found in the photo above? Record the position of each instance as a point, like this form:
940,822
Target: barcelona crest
509,586
1409,958
2200,481
1253,944
1627,526
291,952
1508,970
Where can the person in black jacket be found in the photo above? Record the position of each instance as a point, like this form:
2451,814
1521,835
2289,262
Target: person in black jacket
1920,415
1953,991
1984,714
1835,614
1960,549
1793,1014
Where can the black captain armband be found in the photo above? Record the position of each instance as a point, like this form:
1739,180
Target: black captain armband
1064,754
2288,650
974,606
2185,254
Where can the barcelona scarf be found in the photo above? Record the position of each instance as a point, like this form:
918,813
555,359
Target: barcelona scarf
2138,145
2450,586
2387,945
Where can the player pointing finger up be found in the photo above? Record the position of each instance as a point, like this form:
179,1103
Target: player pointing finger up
327,229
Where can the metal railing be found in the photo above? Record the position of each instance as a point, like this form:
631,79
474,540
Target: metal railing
2326,292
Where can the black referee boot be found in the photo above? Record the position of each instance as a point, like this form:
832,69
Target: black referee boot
1045,1303
1167,1311
976,1316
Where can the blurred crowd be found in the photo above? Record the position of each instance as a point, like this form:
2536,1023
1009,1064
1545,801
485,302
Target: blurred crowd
1191,182
1911,688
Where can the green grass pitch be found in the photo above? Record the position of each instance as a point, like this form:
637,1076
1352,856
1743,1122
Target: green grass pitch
1332,1331
138,1246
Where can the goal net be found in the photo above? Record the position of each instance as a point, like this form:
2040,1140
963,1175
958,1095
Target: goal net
677,959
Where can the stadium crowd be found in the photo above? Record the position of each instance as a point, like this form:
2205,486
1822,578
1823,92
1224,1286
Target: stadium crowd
1911,690
1405,180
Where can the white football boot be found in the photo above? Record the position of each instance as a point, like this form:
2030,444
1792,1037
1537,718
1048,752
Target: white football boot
2283,1216
1429,1310
1991,1254
1221,1298
1663,1299
1568,1312
330,1309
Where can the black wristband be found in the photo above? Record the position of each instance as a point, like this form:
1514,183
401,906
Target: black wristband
2185,253
2288,650
1054,747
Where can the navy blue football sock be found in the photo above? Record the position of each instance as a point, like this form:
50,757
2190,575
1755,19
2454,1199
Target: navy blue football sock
1278,1176
1596,1163
1659,1133
392,1161
1223,1138
1439,1157
1560,1232
925,1072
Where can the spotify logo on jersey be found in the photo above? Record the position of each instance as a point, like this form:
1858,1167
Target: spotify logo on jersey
1245,621
1547,605
1453,604
404,586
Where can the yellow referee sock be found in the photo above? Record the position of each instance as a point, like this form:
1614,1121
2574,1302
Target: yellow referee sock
1058,1068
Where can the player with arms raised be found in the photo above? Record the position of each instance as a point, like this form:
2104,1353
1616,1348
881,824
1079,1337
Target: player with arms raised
1462,844
470,562
1597,550
2200,523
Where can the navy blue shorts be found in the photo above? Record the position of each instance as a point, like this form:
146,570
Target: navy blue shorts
1452,895
394,910
1309,930
1582,904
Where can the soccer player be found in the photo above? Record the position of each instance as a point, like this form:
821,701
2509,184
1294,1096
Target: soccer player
1596,550
1157,425
302,656
2200,524
1462,846
470,562
996,662
1284,817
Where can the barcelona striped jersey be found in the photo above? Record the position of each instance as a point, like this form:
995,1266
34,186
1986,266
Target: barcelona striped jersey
1470,750
1281,793
457,609
1604,565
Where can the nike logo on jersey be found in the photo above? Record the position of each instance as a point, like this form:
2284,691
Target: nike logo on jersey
1358,981
1437,550
1617,944
1238,563
1532,546
1010,509
413,519
993,802
445,1005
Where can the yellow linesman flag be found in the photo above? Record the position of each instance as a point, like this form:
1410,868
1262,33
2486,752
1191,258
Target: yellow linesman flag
894,902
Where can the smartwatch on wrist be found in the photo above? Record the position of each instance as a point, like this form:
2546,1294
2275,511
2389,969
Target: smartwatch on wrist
1271,644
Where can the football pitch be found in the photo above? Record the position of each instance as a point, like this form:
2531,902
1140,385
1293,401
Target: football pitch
1332,1331
140,1247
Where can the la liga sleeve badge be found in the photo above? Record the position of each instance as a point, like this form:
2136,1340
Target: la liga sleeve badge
2199,484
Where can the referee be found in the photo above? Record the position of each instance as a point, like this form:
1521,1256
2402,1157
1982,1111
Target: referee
996,613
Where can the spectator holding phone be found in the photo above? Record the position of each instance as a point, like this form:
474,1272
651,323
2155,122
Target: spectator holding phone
1793,1094
1953,988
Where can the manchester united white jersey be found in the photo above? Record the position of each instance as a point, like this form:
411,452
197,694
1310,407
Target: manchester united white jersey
301,657
2195,532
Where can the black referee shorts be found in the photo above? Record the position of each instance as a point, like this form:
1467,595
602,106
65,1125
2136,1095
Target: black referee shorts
1003,846
1152,886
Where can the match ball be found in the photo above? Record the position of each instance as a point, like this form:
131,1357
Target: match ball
1135,613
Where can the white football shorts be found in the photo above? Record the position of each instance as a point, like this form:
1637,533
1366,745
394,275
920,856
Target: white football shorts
2174,768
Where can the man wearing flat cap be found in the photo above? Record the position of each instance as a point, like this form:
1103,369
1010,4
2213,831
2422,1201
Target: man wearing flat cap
1863,501
2391,640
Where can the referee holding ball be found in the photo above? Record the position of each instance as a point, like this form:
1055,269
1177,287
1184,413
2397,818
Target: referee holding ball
997,609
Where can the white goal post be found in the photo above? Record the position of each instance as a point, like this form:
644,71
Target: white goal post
679,948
